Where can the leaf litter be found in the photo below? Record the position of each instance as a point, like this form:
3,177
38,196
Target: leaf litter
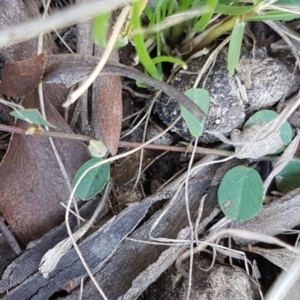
38,185
44,166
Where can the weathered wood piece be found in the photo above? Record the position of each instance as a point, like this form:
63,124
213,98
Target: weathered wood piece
27,264
97,249
133,258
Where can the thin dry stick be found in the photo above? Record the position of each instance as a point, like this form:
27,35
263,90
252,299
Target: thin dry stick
63,41
136,126
66,17
282,161
213,214
81,289
133,114
110,46
84,46
176,175
171,21
76,113
153,161
144,138
11,104
42,106
10,239
284,282
199,215
70,233
39,51
183,242
157,221
210,59
31,130
73,212
237,233
188,212
150,164
282,31
145,130
196,83
182,99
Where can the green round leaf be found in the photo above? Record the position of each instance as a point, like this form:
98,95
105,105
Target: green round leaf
201,98
94,181
265,116
289,177
240,193
97,148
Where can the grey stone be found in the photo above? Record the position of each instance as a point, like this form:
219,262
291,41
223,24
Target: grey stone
264,81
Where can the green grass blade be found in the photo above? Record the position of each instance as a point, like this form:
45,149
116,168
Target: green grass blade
164,10
184,5
291,6
204,20
100,27
158,19
140,46
170,7
235,45
232,10
274,15
150,15
226,2
170,59
158,5
288,2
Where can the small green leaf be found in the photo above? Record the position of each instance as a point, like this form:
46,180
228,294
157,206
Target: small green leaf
100,27
235,46
201,98
240,193
97,148
94,181
265,116
32,116
289,177
121,42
